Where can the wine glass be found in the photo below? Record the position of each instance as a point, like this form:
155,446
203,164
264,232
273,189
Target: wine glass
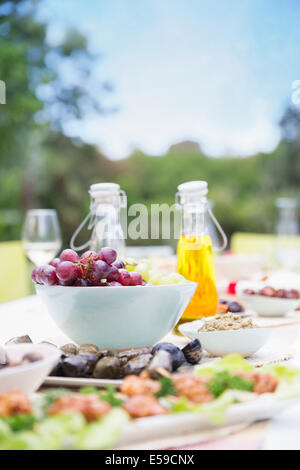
41,236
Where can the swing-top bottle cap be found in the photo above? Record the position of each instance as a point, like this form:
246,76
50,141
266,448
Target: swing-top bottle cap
104,189
194,187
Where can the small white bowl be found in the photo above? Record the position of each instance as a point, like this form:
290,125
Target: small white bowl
27,377
220,343
263,305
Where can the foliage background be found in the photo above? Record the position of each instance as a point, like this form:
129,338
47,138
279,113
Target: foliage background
40,166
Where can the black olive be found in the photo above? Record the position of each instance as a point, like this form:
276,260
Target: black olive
235,307
176,353
224,301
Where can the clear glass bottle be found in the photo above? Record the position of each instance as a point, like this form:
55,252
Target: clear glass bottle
107,200
195,251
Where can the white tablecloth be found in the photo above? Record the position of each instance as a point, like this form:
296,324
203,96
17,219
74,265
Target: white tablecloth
28,316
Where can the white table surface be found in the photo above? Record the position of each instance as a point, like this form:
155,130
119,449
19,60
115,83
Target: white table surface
28,316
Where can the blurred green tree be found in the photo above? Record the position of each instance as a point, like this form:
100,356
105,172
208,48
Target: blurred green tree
47,86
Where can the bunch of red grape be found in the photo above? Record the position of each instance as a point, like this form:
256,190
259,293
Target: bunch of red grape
90,270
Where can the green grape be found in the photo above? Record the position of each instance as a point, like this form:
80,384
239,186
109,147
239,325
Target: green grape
130,264
177,278
157,278
147,262
143,270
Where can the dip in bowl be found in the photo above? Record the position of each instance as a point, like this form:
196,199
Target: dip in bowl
246,340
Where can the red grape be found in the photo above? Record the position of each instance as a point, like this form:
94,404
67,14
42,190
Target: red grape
34,276
113,275
100,270
66,271
69,255
107,254
135,279
115,284
89,257
48,275
119,264
38,275
55,262
80,271
124,277
82,283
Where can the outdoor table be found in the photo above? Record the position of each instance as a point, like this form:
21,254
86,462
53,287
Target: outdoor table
29,316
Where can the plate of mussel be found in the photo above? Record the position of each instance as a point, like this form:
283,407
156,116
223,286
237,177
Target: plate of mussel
88,364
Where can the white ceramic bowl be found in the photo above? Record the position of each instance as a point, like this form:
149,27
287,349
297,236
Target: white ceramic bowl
28,377
263,305
117,317
219,343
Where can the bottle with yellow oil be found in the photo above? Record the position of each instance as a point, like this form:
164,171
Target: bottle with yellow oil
195,251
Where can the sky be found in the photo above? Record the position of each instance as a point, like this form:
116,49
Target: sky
218,72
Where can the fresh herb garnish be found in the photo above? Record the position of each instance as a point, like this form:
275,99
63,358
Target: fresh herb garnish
20,422
88,390
223,381
110,396
51,396
166,387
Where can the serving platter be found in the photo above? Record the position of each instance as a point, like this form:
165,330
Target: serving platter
184,424
70,382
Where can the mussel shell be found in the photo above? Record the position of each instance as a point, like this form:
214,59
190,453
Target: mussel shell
88,349
19,340
193,352
107,352
79,365
177,355
137,364
161,360
108,367
70,349
133,352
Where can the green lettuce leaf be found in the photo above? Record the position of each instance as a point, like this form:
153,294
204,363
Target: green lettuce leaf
60,430
23,440
215,410
103,434
230,363
289,379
